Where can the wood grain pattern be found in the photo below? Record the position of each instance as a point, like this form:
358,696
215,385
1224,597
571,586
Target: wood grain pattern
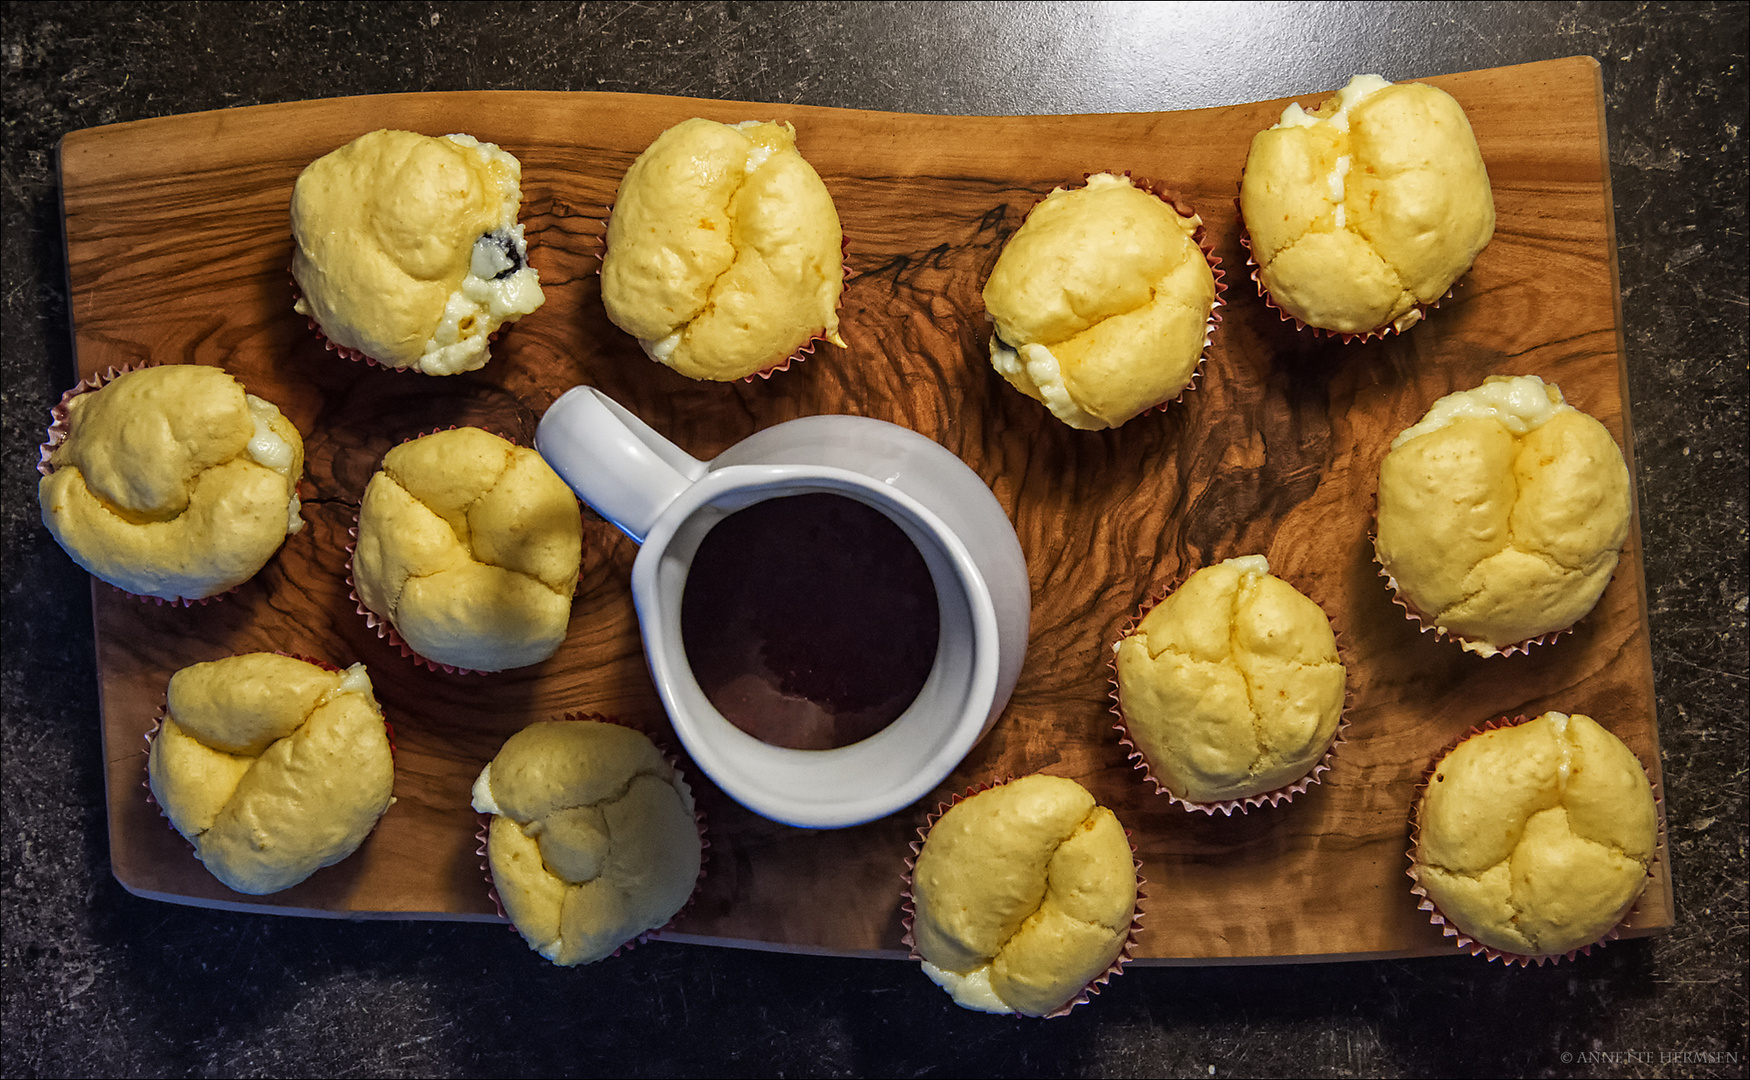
178,251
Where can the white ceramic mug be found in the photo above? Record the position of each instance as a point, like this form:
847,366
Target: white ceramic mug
668,500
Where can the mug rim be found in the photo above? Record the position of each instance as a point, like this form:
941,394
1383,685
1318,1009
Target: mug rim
718,747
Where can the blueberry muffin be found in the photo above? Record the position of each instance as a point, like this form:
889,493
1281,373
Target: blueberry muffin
407,249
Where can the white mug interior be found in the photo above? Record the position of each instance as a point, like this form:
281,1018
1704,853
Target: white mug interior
865,780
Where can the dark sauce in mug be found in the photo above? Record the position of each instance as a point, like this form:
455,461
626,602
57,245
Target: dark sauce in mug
810,621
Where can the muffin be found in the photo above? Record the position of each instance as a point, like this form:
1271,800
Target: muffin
469,546
1023,896
593,839
1502,514
724,255
1536,839
407,249
1231,687
272,767
1103,303
171,482
1364,211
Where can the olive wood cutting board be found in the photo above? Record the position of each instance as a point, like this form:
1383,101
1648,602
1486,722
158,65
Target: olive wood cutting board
177,252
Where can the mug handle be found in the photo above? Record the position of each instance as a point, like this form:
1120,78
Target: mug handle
614,461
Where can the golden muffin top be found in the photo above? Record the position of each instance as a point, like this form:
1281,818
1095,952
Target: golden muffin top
1023,895
1502,513
173,482
1102,302
407,248
724,254
272,767
1231,685
1367,206
470,546
1536,839
593,840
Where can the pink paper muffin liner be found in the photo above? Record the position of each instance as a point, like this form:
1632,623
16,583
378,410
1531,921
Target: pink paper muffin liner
483,835
382,625
61,411
1139,761
803,352
1376,334
57,434
909,907
1462,941
146,779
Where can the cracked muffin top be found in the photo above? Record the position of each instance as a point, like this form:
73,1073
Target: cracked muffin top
1536,839
1023,895
271,767
724,255
173,482
593,838
407,248
1502,513
1101,302
1367,207
469,546
1231,686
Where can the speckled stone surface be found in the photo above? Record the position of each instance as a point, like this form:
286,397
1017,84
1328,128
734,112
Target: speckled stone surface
100,982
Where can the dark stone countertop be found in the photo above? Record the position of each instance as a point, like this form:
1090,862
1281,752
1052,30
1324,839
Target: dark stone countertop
99,981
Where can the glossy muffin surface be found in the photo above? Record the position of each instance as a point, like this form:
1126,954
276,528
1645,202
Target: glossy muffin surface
724,254
1101,302
173,482
271,767
470,546
1368,207
1536,839
593,838
1231,686
1023,895
407,248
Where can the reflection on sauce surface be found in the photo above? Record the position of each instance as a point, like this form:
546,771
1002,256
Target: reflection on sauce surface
810,621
